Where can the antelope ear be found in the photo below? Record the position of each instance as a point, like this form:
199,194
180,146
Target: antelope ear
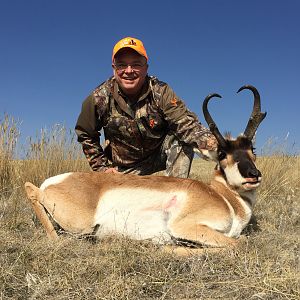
207,154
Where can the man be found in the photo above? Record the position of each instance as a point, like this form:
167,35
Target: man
147,127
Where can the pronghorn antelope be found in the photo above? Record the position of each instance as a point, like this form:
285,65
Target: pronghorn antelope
165,209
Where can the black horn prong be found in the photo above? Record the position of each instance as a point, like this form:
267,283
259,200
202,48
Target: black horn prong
256,116
210,122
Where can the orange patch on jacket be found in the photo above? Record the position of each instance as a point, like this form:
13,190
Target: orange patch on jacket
174,102
151,123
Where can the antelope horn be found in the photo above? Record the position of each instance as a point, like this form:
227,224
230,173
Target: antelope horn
210,122
256,116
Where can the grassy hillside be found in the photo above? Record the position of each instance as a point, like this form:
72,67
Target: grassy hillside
266,266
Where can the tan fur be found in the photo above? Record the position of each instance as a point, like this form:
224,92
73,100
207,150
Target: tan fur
34,195
251,155
76,202
232,197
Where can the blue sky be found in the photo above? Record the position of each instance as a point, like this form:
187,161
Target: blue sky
53,53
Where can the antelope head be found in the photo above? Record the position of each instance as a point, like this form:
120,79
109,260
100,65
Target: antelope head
236,157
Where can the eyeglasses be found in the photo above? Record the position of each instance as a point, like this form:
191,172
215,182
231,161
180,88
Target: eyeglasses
134,66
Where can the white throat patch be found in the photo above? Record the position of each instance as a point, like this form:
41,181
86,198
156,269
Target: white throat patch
233,175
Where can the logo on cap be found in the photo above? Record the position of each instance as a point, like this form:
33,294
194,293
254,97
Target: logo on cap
130,42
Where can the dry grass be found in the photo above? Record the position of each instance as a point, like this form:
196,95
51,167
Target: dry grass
267,266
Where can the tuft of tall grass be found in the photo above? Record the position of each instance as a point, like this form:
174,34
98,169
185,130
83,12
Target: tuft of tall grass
280,176
53,152
278,206
9,134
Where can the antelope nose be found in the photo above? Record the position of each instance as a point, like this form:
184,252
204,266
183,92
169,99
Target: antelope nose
254,173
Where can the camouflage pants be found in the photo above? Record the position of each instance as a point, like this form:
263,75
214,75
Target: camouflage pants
173,157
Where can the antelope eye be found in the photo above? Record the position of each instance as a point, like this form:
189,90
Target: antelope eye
221,155
253,150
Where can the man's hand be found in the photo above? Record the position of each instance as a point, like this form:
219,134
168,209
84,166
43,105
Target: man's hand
111,170
209,150
212,144
207,154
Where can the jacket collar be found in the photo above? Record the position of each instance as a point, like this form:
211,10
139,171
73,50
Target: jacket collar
123,100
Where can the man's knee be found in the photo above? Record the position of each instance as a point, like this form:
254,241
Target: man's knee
179,158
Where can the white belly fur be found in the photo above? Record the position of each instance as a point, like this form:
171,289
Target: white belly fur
137,213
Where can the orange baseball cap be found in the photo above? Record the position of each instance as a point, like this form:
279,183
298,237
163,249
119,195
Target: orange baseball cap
130,42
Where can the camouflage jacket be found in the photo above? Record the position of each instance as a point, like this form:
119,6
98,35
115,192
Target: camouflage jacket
134,131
